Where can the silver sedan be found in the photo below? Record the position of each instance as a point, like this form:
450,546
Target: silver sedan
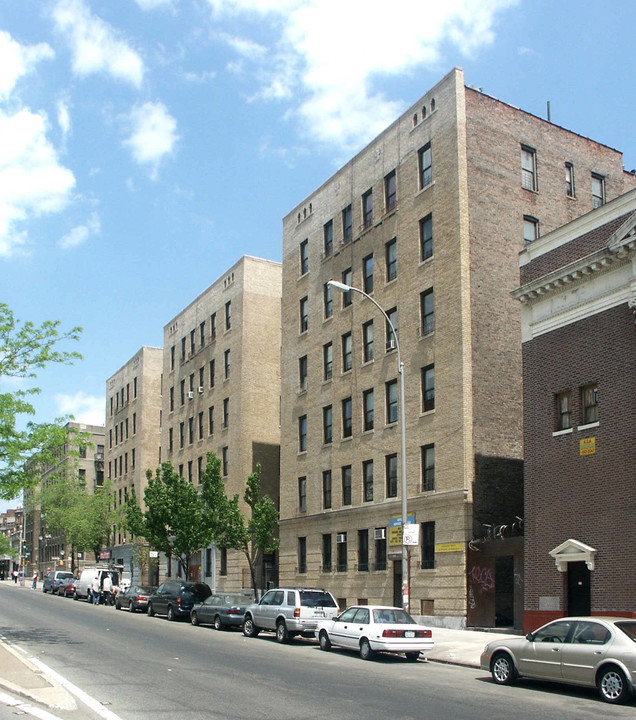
588,651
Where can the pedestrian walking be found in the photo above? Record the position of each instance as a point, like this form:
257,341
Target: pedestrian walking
107,589
34,584
96,590
15,576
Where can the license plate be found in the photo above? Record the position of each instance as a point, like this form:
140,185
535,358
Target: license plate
319,614
409,634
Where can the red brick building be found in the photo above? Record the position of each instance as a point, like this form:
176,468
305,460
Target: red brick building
578,298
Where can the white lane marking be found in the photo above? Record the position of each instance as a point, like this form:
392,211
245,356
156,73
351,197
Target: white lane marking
93,704
25,708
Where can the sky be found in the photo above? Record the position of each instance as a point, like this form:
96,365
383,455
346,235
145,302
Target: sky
146,145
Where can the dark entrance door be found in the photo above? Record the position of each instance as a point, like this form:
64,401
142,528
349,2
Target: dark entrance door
579,589
504,591
397,583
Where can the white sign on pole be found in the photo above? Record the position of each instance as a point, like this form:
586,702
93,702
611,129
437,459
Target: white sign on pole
411,534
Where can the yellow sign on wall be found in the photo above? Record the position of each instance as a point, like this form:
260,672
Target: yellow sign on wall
587,446
449,547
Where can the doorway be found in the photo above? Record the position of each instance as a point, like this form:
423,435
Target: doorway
579,589
504,591
397,583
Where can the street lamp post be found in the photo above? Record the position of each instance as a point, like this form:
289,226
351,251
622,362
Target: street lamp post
405,565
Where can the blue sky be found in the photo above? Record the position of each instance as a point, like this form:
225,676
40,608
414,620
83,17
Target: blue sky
145,145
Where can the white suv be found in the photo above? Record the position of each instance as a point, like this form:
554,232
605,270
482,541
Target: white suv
289,612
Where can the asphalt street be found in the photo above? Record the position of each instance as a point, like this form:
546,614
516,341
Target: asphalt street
143,668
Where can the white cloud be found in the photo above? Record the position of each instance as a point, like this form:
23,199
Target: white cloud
32,181
95,45
153,134
17,60
80,234
63,118
244,47
84,408
152,4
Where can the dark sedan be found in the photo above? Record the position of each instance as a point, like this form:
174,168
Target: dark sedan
221,610
134,598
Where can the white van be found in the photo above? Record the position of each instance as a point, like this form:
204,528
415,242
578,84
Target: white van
83,587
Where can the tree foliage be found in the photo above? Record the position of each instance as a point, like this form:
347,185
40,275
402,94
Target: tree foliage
24,349
6,549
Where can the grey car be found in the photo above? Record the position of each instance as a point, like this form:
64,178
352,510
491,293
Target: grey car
223,610
53,579
175,599
588,651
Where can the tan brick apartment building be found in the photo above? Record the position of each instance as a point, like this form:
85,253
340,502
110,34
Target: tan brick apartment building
133,438
579,357
221,393
429,218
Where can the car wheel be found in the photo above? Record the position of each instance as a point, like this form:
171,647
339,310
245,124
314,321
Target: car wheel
325,642
131,607
282,636
117,605
75,596
365,650
194,618
249,629
612,685
218,625
44,590
503,669
412,656
170,614
151,612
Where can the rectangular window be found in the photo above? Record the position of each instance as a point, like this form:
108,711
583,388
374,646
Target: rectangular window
341,552
390,339
347,352
134,387
171,368
569,180
327,360
228,314
226,363
226,412
201,378
193,343
589,403
564,410
347,279
426,238
427,311
367,481
211,420
327,294
224,461
598,190
302,494
201,426
326,553
425,165
346,485
326,489
379,535
367,403
327,238
428,467
190,430
302,373
367,274
530,229
302,433
189,471
183,348
223,562
347,418
391,471
428,388
390,191
134,423
391,401
347,224
363,550
367,341
181,434
304,317
304,257
367,209
202,333
427,538
528,168
390,256
182,392
212,326
191,386
302,554
327,424
170,439
212,373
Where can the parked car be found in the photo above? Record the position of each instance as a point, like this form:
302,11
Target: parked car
53,579
67,587
83,587
221,610
588,651
134,597
375,628
175,599
289,612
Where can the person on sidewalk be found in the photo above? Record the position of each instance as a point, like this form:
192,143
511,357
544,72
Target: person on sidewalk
15,577
107,589
34,584
96,590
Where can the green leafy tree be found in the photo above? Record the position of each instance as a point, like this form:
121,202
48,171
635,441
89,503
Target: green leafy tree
7,549
251,533
24,349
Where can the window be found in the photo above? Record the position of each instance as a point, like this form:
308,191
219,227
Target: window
181,434
530,229
367,209
190,430
589,403
171,368
427,536
598,190
390,339
302,433
201,377
347,352
226,412
170,441
189,471
569,180
363,550
327,424
302,373
367,274
347,224
212,326
182,392
228,314
346,485
391,472
367,404
428,388
427,311
302,554
226,364
224,461
302,494
183,349
223,562
341,550
428,467
327,294
528,168
134,423
200,426
211,373
327,360
192,341
391,402
426,238
347,279
211,420
326,552
390,191
380,548
564,410
191,385
367,341
304,319
425,165
347,418
304,257
202,333
327,238
326,489
367,481
390,256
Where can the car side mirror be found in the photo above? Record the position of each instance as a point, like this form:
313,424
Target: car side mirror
530,637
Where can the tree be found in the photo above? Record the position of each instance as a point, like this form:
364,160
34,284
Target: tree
25,348
7,549
252,535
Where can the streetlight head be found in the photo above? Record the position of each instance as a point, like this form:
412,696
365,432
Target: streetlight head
339,285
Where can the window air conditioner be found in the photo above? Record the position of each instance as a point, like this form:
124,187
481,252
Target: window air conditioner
390,344
190,395
200,389
379,534
341,537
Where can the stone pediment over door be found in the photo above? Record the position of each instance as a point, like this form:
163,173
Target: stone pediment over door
573,551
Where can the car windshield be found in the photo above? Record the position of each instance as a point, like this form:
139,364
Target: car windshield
65,575
629,628
310,598
392,616
236,600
